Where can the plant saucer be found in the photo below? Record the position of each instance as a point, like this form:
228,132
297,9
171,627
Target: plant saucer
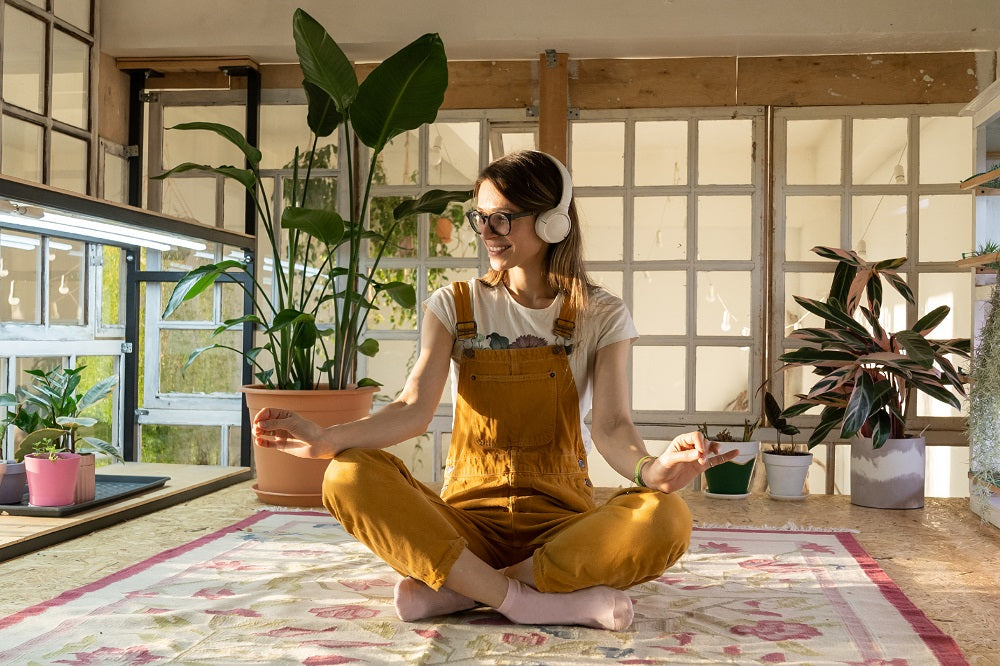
725,496
788,498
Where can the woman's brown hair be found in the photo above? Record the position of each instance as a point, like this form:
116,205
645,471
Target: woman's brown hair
530,181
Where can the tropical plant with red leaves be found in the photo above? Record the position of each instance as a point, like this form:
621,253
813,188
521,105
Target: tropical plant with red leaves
868,374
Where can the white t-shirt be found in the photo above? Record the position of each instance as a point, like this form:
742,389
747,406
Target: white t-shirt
502,322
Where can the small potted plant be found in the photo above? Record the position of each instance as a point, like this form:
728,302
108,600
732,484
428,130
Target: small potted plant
868,375
786,467
52,415
12,474
323,256
731,479
52,474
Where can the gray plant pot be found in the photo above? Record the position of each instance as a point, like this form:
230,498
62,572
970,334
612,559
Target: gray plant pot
891,477
13,480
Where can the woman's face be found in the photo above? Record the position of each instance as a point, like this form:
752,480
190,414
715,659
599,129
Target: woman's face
521,248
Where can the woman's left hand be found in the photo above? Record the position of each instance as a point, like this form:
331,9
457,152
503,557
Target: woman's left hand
687,456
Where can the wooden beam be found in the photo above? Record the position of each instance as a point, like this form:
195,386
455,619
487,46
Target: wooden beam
652,83
504,84
849,80
191,64
553,103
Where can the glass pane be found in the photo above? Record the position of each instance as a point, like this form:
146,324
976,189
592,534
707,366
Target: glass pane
234,445
879,148
70,80
234,205
43,363
115,178
723,377
810,221
450,235
23,61
404,241
660,228
453,155
392,365
798,381
951,289
602,222
598,151
724,303
190,199
945,227
390,315
232,301
946,149
20,255
69,163
111,280
658,378
21,154
200,308
76,12
813,152
660,299
283,127
724,227
725,152
611,281
398,163
661,152
97,369
807,285
504,142
200,146
878,227
215,371
66,281
184,445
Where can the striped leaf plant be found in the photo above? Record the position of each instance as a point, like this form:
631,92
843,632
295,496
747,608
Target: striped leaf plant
868,375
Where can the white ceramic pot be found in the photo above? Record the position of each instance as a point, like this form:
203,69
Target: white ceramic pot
890,477
786,474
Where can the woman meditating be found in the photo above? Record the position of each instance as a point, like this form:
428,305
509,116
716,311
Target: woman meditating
531,348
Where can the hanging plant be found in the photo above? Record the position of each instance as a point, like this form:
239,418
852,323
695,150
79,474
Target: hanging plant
984,406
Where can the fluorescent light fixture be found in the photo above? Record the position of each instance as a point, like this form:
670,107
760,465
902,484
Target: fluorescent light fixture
34,218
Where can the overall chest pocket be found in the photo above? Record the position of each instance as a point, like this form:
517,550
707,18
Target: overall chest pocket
510,411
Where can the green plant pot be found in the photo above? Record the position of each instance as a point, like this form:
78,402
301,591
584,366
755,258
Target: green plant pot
732,479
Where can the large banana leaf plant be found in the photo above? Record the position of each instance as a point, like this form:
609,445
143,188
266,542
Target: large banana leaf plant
299,351
867,374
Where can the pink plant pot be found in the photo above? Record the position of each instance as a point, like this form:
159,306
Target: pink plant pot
51,482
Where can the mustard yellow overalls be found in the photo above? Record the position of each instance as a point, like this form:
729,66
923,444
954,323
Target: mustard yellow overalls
516,483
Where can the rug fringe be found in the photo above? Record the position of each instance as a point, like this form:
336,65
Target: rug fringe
790,526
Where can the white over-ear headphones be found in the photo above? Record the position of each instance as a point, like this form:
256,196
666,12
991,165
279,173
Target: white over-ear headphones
553,225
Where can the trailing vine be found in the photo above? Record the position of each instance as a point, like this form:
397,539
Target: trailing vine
984,406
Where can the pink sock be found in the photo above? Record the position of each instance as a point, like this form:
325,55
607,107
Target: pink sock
414,600
599,607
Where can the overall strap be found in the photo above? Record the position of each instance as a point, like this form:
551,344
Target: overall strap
465,324
566,321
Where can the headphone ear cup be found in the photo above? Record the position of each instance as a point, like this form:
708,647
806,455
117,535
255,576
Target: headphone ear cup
553,225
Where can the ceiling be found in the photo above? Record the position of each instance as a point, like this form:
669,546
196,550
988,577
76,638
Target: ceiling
370,30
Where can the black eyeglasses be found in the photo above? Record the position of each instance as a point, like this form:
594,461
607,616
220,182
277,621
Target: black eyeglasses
499,222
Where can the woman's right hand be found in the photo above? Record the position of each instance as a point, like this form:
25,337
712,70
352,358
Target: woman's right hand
287,431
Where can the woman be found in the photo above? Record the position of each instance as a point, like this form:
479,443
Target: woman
530,346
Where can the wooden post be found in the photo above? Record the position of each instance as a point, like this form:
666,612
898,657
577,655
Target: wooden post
553,103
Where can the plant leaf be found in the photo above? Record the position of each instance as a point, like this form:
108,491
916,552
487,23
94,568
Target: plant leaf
369,347
197,281
402,93
327,226
367,381
244,177
401,292
917,348
323,64
432,201
100,446
70,422
859,406
930,321
231,135
323,117
849,257
97,392
828,420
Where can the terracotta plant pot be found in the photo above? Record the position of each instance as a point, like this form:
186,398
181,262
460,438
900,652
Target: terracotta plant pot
288,480
786,474
890,477
86,479
731,480
51,482
12,482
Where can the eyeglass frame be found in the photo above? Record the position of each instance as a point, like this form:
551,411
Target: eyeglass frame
509,217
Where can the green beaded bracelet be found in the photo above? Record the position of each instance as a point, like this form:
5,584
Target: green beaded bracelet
637,476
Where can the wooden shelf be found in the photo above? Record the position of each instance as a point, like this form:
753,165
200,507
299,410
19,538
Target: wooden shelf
976,181
979,260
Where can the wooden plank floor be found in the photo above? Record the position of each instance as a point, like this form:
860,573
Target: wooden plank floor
943,557
23,534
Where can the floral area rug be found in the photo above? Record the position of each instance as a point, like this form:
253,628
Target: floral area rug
285,587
